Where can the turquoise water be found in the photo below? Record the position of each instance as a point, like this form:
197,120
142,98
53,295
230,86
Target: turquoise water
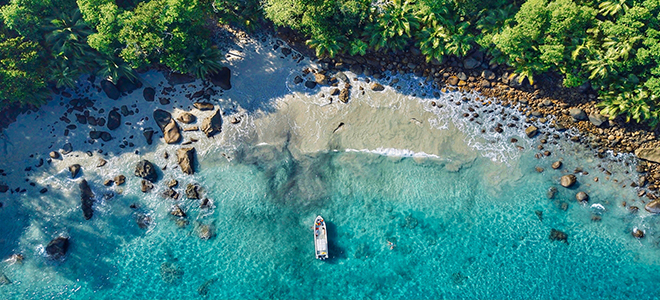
456,236
468,213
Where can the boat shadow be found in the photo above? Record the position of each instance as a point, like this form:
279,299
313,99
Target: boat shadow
336,252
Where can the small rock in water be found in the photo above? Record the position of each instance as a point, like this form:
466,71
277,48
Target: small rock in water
556,235
653,207
86,199
177,212
170,272
556,165
75,170
212,124
539,214
186,160
58,247
206,231
377,87
120,179
568,180
206,203
143,220
638,233
146,170
54,154
172,183
552,191
531,131
539,169
101,163
146,186
192,191
582,197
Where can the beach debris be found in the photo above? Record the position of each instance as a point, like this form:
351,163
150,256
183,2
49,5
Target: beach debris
186,160
213,124
568,180
58,247
86,199
557,235
146,170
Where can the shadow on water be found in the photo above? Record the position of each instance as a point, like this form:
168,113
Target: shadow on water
336,252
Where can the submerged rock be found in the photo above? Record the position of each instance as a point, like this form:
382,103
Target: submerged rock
170,272
58,247
148,135
213,124
186,160
206,231
146,170
86,199
4,280
556,235
568,180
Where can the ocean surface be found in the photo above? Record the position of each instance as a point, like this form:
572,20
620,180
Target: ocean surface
420,203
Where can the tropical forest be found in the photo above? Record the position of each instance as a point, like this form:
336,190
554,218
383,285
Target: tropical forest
611,46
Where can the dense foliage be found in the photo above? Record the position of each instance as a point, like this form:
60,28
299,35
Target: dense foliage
614,46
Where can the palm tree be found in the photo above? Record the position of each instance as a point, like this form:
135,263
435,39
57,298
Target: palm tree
326,45
394,26
611,8
204,61
358,46
113,68
67,35
431,41
63,75
637,105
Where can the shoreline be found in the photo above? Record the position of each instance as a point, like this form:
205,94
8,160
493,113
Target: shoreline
441,77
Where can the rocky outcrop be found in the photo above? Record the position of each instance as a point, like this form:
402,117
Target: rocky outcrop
177,212
203,106
650,154
110,89
169,127
114,119
212,124
186,160
568,180
86,199
222,78
75,170
146,170
120,179
149,94
556,235
58,247
192,191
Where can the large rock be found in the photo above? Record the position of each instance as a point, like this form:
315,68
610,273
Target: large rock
568,180
149,94
222,78
178,78
598,120
58,247
653,207
146,170
650,154
171,132
114,119
213,124
75,170
310,84
125,85
531,131
110,89
87,199
471,63
577,114
186,159
321,79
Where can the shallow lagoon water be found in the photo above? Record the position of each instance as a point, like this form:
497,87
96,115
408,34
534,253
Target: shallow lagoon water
460,206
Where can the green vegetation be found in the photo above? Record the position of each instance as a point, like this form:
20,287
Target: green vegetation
612,45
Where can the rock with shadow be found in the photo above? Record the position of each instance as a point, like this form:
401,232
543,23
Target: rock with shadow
86,199
213,124
222,78
110,89
146,170
58,247
168,126
186,160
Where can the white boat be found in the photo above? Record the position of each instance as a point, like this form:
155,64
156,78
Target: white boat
320,238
